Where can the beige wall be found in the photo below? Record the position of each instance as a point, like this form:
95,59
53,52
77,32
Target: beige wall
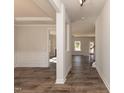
85,41
30,39
31,46
103,44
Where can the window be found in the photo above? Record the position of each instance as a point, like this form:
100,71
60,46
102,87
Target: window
77,45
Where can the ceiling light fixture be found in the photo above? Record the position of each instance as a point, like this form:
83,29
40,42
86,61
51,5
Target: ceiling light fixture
82,2
82,18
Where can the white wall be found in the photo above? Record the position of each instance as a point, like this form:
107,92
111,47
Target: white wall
31,46
85,41
103,44
68,49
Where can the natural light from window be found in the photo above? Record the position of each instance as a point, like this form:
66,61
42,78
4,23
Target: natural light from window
77,45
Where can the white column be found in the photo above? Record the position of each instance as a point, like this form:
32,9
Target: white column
68,37
63,65
60,37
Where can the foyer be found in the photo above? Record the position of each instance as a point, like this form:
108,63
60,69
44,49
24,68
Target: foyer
62,29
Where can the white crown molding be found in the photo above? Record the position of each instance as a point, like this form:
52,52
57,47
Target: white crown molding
45,25
33,19
48,26
90,35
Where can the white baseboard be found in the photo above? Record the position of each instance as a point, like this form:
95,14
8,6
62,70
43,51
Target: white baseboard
103,78
68,70
60,81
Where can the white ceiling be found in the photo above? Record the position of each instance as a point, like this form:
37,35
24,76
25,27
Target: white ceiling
42,8
90,10
83,27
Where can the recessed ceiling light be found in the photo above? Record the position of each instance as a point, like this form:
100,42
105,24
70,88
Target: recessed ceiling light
82,18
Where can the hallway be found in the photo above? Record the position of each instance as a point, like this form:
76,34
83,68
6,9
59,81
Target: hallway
81,79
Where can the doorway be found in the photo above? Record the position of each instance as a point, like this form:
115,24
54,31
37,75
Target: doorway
52,48
91,52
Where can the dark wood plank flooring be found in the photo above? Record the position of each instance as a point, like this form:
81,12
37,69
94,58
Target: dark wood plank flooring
81,79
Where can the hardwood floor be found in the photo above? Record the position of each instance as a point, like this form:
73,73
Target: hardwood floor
82,79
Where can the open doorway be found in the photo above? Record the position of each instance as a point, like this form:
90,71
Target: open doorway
92,52
52,48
